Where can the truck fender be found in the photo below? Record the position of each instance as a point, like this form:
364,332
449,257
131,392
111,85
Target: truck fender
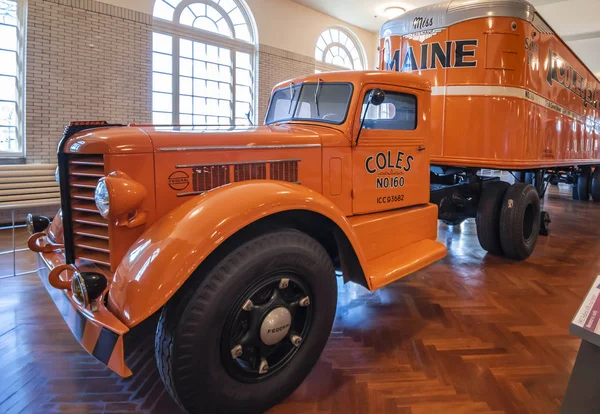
166,254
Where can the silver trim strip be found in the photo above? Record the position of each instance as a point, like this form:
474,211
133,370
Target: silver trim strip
202,192
238,147
220,164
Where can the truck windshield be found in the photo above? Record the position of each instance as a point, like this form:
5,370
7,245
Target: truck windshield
323,102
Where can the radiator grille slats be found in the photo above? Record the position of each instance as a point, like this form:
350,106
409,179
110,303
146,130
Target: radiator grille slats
207,177
90,229
284,171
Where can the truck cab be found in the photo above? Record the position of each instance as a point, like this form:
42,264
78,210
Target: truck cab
233,236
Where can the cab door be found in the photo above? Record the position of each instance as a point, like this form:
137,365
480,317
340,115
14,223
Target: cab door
391,160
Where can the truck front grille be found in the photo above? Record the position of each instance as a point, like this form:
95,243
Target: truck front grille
90,229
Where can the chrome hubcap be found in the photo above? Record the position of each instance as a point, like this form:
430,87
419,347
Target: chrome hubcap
275,326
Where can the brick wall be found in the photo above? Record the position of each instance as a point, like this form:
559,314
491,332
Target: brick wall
86,60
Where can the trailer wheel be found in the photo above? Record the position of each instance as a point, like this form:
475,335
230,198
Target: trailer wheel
584,184
596,185
520,221
244,336
488,216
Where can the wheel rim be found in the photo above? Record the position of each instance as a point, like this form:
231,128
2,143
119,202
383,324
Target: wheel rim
266,327
528,220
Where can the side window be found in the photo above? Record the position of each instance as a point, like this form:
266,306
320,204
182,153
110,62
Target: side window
398,112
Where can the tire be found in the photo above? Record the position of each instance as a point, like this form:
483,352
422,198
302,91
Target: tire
596,185
191,346
488,216
520,221
584,184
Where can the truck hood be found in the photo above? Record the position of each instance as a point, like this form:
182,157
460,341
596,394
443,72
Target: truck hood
146,139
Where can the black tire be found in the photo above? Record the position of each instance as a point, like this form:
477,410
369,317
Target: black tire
596,185
488,216
520,221
584,184
189,340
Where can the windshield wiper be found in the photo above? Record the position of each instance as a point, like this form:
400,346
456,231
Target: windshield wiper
317,93
292,96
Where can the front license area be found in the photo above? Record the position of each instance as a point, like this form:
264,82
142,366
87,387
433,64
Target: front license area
390,199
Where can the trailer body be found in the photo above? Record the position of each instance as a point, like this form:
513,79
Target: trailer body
507,92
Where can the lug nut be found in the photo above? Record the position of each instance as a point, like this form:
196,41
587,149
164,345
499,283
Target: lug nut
284,283
236,352
296,340
248,305
264,367
304,302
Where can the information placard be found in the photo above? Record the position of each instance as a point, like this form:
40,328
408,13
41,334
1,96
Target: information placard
586,323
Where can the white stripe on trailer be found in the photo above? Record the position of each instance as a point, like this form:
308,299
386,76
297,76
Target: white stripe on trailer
512,92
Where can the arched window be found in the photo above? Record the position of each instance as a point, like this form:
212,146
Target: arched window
203,63
339,47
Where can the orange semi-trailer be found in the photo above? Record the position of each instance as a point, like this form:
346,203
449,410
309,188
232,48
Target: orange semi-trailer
507,94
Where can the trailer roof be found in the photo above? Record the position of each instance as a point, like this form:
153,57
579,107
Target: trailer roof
455,11
441,15
365,76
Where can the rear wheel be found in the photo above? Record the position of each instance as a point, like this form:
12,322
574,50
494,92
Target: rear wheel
596,185
584,184
244,336
488,216
520,221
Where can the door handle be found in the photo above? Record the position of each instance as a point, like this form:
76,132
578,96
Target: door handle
421,148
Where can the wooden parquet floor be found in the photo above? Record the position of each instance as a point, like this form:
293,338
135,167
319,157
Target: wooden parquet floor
473,333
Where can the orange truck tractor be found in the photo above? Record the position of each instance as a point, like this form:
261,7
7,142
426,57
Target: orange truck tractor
507,94
233,236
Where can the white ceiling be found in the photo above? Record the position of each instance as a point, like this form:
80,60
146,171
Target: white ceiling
576,21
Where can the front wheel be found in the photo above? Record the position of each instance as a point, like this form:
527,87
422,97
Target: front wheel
242,337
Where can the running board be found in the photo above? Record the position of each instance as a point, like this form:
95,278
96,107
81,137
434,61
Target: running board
402,262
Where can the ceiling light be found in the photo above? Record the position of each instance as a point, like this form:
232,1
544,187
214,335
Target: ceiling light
393,11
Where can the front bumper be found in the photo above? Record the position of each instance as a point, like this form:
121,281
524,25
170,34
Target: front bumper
100,333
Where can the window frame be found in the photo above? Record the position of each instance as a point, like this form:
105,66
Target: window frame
21,30
318,121
178,31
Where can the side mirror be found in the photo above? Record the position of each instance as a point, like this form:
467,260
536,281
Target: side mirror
377,97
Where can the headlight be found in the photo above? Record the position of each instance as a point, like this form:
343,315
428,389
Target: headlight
57,175
102,198
87,287
119,197
79,289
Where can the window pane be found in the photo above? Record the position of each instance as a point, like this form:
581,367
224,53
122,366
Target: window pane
162,102
162,63
8,65
397,112
162,83
8,114
162,118
185,48
242,60
8,88
8,35
162,43
8,139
